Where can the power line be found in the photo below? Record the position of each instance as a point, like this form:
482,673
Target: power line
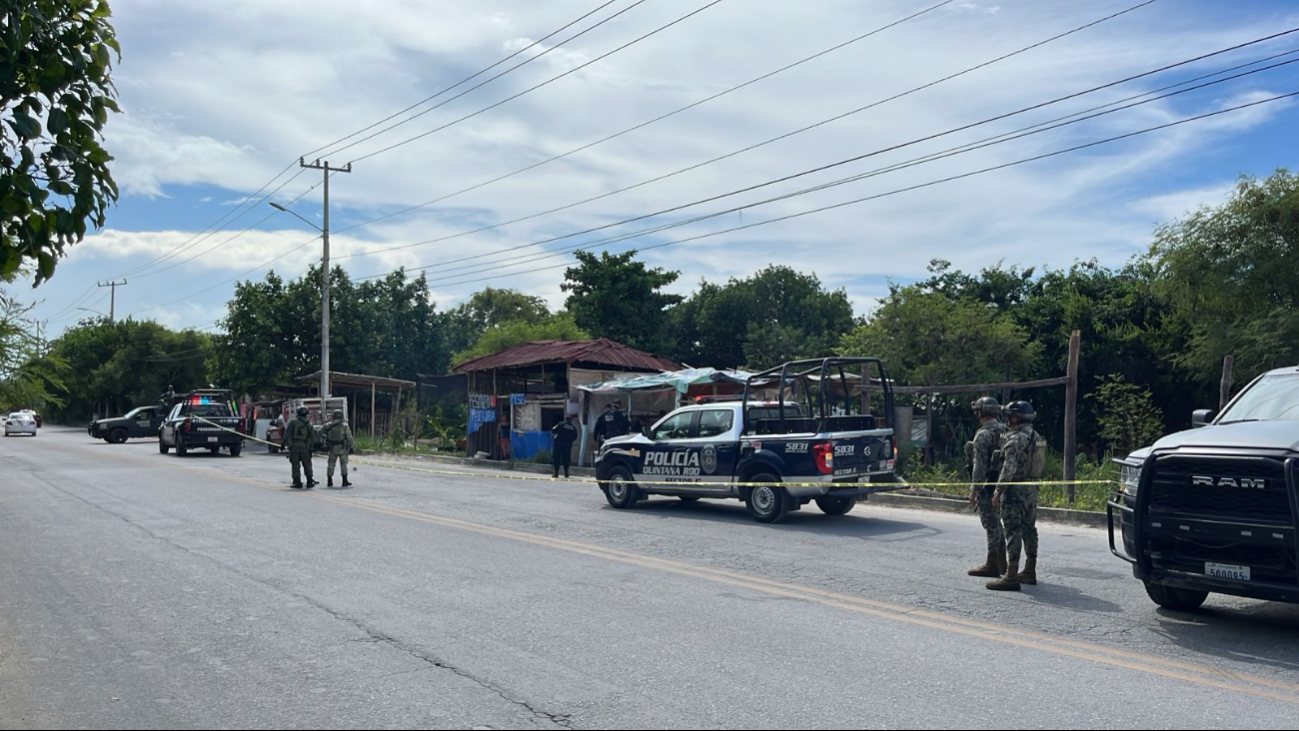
533,88
892,148
749,148
929,184
1038,128
659,118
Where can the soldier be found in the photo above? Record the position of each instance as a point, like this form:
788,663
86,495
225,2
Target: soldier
339,438
564,434
983,477
299,438
1018,503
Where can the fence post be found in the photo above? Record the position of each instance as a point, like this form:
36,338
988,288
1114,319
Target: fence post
1071,416
1224,387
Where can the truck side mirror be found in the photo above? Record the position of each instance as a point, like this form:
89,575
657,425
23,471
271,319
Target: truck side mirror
1201,417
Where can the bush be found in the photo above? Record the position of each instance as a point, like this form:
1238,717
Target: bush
1126,414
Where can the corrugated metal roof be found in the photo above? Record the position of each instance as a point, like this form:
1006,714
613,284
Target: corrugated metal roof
603,352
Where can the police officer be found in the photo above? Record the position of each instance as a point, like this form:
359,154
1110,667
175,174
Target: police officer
564,434
1018,503
983,477
299,438
338,435
615,422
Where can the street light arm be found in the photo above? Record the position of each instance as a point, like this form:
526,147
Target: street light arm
281,208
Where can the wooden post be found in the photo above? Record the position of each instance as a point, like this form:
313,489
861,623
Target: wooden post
1224,387
1005,392
1071,415
396,410
929,438
373,417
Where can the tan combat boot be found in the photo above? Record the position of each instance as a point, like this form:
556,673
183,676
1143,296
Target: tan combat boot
1009,581
994,567
1029,574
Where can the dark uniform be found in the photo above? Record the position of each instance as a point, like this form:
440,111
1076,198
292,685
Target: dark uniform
984,471
299,438
338,435
612,424
1018,502
564,434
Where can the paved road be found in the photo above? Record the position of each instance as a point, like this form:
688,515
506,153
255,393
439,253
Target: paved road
146,591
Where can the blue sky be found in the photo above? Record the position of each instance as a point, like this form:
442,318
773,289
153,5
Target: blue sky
219,98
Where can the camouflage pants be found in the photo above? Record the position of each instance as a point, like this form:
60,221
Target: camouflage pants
336,454
1019,516
300,459
990,519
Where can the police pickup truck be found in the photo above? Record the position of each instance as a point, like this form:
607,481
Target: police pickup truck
813,436
140,422
203,419
1214,509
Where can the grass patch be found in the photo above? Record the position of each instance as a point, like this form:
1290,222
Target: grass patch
1086,497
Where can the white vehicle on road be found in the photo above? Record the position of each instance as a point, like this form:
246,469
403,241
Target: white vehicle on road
20,422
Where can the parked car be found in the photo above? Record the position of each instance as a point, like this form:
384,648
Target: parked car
20,422
138,423
204,419
317,417
35,415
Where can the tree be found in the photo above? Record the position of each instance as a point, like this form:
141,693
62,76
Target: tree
29,377
54,63
614,296
1228,274
509,334
487,308
1127,415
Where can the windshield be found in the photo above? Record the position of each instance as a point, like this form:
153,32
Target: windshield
1272,398
207,410
136,412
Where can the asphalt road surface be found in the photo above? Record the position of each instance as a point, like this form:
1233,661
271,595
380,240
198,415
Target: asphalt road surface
139,590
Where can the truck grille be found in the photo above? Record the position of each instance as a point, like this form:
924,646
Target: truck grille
1175,490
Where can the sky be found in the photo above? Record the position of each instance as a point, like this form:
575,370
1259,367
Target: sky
221,99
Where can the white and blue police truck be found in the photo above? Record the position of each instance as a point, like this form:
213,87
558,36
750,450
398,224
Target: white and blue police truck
818,438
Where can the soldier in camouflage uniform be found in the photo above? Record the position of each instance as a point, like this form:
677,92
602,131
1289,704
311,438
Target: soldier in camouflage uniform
983,476
299,437
339,438
1018,503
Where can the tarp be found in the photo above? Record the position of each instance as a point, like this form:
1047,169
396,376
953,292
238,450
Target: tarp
679,381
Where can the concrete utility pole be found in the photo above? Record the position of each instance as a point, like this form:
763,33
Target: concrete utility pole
112,296
324,275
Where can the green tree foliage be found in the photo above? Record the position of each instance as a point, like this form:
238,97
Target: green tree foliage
1127,416
617,297
488,308
778,314
114,367
1229,275
55,96
516,332
29,376
271,332
927,338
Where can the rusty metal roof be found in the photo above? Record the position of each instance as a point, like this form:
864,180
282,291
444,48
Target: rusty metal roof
603,351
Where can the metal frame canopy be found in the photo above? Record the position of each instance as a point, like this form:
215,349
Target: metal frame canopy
822,371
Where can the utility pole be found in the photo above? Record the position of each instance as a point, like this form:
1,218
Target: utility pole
324,276
112,298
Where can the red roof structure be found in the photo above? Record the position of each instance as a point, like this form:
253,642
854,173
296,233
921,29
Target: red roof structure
603,353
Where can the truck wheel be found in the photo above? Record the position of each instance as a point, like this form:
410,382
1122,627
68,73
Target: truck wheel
1174,598
620,489
236,450
162,446
118,436
767,503
181,449
836,505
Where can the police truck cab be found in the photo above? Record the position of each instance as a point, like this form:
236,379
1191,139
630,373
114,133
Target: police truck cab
816,441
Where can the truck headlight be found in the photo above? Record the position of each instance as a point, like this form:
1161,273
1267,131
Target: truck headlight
1129,477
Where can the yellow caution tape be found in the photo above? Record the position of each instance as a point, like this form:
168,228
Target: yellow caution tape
664,483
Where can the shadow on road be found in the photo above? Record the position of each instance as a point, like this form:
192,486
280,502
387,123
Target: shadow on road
1264,633
858,524
1058,595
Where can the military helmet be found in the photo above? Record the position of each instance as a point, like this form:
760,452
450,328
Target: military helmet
303,411
986,406
1022,410
338,414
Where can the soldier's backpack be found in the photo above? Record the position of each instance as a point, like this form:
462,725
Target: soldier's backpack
1037,461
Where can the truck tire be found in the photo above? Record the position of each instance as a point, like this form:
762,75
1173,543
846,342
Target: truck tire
620,490
836,505
767,503
181,449
118,436
162,446
236,450
1174,598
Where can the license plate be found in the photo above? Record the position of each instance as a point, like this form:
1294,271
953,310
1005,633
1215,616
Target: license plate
212,439
1227,571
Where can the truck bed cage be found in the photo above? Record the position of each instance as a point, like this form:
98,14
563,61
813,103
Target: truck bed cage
826,372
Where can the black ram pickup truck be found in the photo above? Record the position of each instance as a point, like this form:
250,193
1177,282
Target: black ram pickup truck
1214,509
